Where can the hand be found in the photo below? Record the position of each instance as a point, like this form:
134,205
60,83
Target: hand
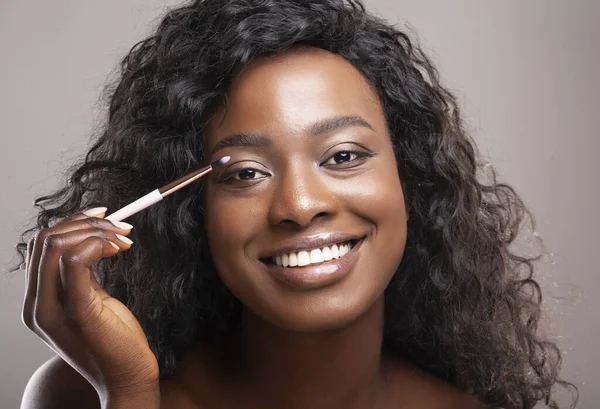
70,311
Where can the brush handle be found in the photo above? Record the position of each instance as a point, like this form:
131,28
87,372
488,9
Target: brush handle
135,206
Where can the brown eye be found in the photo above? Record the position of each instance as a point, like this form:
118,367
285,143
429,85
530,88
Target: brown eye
345,157
342,157
246,174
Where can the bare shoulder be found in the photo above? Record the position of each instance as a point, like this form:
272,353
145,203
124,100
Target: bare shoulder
56,385
418,389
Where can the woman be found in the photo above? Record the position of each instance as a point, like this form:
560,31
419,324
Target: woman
347,256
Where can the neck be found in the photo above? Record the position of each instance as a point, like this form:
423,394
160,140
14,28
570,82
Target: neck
333,369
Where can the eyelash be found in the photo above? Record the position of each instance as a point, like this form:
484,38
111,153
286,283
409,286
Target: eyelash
359,155
229,178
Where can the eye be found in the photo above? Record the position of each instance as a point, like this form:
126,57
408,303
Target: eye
245,174
346,158
341,157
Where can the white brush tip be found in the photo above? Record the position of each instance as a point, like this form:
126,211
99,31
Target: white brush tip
221,161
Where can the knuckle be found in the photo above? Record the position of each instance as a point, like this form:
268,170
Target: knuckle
93,221
98,231
51,242
70,259
98,242
40,236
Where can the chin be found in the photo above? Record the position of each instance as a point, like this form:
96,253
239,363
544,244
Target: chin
323,310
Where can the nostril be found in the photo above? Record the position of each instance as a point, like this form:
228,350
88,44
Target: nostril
299,219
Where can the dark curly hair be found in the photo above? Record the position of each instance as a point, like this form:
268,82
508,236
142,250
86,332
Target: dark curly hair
462,305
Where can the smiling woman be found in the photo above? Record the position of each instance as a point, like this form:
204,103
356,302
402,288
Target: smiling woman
347,256
313,167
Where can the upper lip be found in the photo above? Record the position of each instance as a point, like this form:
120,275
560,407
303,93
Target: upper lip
311,242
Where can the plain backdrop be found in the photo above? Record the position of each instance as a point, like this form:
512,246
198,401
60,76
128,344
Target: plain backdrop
525,73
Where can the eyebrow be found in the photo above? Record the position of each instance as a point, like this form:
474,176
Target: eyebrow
262,140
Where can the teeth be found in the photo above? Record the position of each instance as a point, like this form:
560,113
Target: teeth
293,260
314,256
335,252
343,250
303,258
326,254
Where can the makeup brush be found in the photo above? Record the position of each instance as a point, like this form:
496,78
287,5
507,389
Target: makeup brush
160,193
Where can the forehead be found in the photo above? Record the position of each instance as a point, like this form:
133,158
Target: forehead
289,92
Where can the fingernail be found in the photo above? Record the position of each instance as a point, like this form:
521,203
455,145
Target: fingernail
114,245
22,266
95,212
123,225
124,239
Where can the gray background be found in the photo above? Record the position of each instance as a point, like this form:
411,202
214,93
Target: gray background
523,70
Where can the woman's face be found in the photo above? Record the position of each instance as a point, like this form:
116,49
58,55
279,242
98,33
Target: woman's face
306,223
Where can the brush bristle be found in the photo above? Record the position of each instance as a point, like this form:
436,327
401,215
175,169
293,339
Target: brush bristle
221,161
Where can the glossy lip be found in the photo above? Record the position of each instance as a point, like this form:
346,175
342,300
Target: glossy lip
317,275
310,242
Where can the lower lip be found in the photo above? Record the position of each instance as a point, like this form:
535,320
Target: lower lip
317,275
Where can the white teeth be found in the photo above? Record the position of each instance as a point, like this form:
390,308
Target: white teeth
285,260
344,249
326,254
314,256
303,258
293,260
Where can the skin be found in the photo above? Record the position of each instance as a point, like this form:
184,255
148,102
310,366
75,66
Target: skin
302,185
317,347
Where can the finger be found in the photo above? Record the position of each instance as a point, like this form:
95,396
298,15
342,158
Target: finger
78,297
90,222
94,212
32,277
28,308
102,293
24,265
27,313
124,243
34,253
49,285
43,238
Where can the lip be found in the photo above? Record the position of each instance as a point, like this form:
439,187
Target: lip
311,242
317,275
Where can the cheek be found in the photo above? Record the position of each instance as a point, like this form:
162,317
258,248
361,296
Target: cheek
378,199
230,225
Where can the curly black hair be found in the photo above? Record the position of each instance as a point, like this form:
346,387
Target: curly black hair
463,304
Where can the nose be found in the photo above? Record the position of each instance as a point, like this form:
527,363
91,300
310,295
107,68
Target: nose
301,199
